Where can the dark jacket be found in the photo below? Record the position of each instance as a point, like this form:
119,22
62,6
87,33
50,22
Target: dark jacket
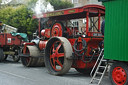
102,27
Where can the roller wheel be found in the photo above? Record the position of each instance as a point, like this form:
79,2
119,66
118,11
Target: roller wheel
57,29
57,51
1,54
31,61
16,56
119,74
83,71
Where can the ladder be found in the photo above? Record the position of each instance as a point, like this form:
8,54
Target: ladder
98,75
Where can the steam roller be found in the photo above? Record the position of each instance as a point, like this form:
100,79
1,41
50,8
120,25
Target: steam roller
32,57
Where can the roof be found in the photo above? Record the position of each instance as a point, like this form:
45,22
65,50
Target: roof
75,13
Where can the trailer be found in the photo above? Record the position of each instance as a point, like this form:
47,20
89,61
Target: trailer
10,43
115,40
62,45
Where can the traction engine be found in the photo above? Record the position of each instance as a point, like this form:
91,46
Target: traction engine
60,45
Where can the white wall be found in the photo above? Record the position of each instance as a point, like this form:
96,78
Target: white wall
94,2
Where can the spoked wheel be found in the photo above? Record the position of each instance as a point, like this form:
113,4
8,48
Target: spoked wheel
30,61
84,71
57,53
1,54
57,29
16,56
57,56
119,74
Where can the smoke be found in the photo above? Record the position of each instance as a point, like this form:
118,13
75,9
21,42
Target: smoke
6,1
42,7
14,2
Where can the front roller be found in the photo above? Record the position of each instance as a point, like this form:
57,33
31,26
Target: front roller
34,57
58,54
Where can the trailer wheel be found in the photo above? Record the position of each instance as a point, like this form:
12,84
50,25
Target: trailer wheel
56,53
83,71
1,54
119,74
16,56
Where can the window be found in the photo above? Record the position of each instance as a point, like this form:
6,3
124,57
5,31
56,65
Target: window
74,1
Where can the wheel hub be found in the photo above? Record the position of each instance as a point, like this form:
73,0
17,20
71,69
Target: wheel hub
119,76
55,56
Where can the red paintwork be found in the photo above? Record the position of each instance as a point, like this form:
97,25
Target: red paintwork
70,30
8,39
71,11
80,64
87,23
46,33
119,76
42,44
25,46
55,56
79,40
56,30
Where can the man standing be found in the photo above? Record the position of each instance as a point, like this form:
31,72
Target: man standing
102,27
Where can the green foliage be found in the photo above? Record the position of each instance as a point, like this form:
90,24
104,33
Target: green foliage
19,17
60,4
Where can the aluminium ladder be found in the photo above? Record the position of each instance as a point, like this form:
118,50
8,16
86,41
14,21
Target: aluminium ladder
98,75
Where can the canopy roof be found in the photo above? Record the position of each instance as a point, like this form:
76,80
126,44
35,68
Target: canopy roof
74,13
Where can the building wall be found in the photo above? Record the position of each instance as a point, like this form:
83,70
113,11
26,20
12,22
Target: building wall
84,2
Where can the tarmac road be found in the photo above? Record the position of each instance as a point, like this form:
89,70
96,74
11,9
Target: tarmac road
16,74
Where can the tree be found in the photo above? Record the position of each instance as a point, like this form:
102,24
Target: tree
19,17
60,4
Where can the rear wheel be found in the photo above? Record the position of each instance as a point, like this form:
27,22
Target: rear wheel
56,54
119,74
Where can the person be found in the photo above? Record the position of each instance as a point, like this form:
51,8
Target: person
102,27
0,26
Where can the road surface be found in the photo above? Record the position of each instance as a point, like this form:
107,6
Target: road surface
16,74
